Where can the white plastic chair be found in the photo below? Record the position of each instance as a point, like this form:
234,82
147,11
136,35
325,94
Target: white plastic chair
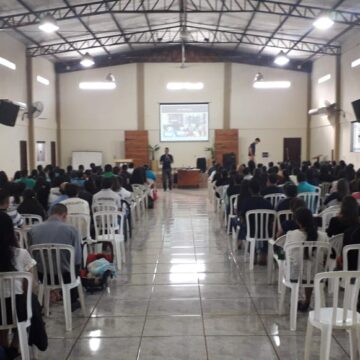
346,250
326,215
280,241
335,317
104,206
49,258
109,226
283,215
260,226
22,236
312,200
8,281
31,220
232,214
140,196
303,270
274,199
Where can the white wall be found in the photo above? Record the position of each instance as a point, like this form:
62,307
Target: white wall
96,120
268,114
12,87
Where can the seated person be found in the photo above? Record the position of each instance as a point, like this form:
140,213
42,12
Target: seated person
30,205
234,186
254,202
125,174
290,191
271,187
150,175
13,258
61,197
73,203
307,231
106,194
347,217
29,182
352,236
336,197
17,219
56,231
303,185
87,192
108,171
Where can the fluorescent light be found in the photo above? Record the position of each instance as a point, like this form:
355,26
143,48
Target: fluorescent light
355,63
324,78
272,84
87,60
7,63
323,22
97,85
185,86
42,80
48,24
281,59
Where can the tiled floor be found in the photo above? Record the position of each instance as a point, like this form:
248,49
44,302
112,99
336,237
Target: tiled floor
182,296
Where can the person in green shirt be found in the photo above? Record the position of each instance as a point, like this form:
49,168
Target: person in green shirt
108,173
29,183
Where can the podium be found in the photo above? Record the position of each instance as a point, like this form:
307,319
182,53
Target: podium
188,178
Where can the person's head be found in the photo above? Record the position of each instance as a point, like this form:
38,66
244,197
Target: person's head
296,203
257,140
81,168
23,173
115,184
34,174
40,168
62,187
349,211
4,180
124,168
92,166
59,211
106,183
89,186
166,150
290,190
304,219
71,190
108,168
69,169
116,170
7,243
28,194
4,199
244,189
343,189
254,187
272,179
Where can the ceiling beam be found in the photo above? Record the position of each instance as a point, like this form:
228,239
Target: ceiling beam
172,35
169,6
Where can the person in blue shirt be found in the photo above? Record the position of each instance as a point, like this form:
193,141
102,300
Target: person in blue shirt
303,185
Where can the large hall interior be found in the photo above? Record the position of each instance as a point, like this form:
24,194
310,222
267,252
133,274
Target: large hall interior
179,179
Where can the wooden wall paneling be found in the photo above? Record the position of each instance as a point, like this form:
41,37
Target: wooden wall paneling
136,146
226,141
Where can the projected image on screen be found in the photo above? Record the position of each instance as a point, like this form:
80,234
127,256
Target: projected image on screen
184,122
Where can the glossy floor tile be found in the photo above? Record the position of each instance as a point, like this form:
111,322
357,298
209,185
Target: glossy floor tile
183,294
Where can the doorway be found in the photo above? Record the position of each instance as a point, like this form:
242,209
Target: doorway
292,150
23,155
53,153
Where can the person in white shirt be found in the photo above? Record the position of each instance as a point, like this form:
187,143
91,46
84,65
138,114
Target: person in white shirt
74,204
106,194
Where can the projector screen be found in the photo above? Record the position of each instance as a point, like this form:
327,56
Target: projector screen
184,122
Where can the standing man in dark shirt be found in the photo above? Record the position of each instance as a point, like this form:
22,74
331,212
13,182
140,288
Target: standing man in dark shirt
252,149
166,160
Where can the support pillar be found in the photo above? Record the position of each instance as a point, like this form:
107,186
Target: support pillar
227,96
29,101
337,116
308,121
58,119
140,96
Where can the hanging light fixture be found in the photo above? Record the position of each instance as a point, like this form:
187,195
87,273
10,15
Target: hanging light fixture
281,59
323,22
87,60
48,24
110,77
260,83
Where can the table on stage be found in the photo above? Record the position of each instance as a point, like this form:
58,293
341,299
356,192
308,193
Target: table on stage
187,178
119,162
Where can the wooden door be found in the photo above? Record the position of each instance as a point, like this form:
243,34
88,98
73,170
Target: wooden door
292,150
23,155
53,153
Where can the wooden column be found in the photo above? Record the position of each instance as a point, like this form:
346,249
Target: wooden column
140,96
226,142
337,116
29,101
58,119
136,146
227,95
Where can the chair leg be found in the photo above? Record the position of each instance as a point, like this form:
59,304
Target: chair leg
308,338
353,344
47,301
282,298
270,264
252,254
325,343
123,255
23,341
293,306
67,308
41,294
82,299
118,255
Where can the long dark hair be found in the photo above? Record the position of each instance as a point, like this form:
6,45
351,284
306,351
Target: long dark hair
349,210
303,217
7,243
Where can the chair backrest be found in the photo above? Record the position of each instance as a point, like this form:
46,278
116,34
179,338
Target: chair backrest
274,199
327,214
108,224
324,189
354,248
280,241
312,200
336,243
8,282
283,215
260,224
303,260
233,204
51,258
82,224
221,190
350,282
31,219
103,206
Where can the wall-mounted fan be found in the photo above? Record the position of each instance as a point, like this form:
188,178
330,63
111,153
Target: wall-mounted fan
36,110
